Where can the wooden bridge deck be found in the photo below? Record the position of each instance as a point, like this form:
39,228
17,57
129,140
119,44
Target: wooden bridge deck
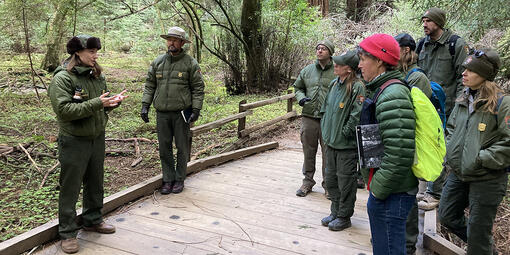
246,206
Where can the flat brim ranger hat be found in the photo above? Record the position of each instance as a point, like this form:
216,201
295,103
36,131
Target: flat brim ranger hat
176,32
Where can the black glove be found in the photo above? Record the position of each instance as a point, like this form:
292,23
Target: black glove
194,115
303,101
145,113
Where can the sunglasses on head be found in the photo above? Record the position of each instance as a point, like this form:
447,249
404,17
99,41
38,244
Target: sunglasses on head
477,53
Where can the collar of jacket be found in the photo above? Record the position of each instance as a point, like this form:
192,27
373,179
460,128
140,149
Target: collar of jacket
82,70
377,82
442,40
175,58
465,100
328,66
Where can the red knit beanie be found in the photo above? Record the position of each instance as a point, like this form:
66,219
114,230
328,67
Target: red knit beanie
383,47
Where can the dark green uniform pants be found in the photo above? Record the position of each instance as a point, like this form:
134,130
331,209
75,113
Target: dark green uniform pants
483,199
171,125
311,137
81,161
341,181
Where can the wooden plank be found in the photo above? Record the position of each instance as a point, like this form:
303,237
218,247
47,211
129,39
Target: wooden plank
273,100
241,123
439,245
297,241
86,248
224,157
249,130
433,241
218,123
358,233
195,237
289,101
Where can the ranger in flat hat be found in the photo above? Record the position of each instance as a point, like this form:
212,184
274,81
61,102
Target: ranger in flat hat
175,87
311,88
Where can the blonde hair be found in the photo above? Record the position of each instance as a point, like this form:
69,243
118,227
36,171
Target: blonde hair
350,80
74,60
489,93
407,60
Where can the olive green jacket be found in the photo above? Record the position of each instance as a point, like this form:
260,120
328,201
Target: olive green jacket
85,118
478,142
419,80
439,65
174,83
340,114
313,82
395,115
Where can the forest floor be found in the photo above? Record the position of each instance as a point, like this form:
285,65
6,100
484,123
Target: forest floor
29,173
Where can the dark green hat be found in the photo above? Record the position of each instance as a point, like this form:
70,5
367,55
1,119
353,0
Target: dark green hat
349,58
81,42
484,62
328,45
437,15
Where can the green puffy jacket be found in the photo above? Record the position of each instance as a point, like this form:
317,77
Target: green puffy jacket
313,82
174,83
395,115
86,118
439,65
478,142
340,114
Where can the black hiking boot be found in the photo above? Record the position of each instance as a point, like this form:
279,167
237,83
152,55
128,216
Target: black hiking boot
339,224
326,220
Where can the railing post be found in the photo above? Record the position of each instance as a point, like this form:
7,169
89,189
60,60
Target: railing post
241,123
289,101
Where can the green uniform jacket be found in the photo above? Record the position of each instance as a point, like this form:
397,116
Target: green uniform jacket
439,65
478,142
313,82
86,118
419,80
174,83
340,115
395,115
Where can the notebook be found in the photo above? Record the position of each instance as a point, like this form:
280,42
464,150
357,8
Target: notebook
370,147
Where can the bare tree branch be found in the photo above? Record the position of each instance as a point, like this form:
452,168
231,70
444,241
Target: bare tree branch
134,11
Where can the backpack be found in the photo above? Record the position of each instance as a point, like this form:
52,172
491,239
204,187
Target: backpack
451,44
438,97
430,147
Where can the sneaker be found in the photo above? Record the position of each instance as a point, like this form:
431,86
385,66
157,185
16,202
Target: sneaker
303,191
339,224
70,245
420,196
428,203
326,220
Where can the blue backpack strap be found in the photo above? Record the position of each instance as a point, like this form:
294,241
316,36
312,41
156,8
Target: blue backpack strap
420,46
417,69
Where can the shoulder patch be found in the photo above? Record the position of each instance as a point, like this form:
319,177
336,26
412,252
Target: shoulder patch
466,48
507,121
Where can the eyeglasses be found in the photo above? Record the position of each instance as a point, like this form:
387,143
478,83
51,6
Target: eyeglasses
321,49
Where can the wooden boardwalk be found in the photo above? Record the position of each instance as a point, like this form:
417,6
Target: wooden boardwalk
246,206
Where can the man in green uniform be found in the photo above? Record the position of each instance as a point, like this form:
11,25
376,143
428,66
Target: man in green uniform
175,87
440,54
79,98
311,88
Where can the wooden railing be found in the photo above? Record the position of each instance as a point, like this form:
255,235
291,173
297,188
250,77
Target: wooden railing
245,109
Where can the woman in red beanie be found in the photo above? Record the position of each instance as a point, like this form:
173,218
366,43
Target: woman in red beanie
392,186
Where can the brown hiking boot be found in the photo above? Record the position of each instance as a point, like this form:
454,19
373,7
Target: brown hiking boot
428,203
102,228
70,245
303,191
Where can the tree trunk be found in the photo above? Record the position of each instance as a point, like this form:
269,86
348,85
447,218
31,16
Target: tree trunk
323,6
56,35
250,27
355,8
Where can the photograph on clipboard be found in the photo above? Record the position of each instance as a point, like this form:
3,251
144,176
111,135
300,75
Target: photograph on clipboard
370,147
186,114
